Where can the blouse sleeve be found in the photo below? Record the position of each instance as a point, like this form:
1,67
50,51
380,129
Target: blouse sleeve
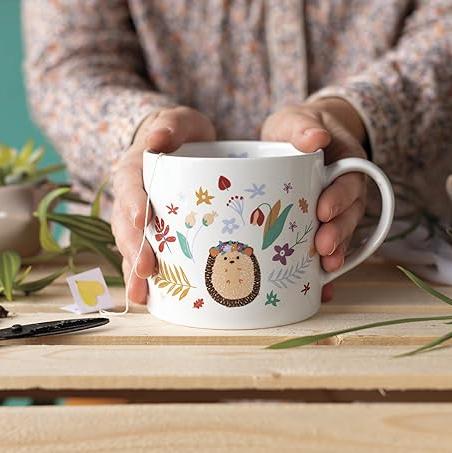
86,81
404,98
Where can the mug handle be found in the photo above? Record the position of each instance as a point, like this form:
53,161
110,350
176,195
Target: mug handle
354,164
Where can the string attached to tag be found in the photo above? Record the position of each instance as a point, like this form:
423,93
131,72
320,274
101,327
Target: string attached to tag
140,249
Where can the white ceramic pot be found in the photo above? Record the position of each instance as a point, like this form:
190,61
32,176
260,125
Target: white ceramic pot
19,229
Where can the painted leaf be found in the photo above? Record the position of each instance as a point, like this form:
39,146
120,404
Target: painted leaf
275,229
223,183
184,246
173,278
272,216
9,267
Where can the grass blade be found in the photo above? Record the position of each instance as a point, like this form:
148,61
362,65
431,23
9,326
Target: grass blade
9,267
422,285
427,347
310,339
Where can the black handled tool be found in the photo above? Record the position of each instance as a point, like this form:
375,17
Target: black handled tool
41,329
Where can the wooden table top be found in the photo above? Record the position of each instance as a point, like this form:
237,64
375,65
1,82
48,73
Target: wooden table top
148,361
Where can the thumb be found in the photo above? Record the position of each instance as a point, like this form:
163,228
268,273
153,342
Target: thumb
304,131
169,129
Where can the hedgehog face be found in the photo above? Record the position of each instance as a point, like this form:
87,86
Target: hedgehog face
233,275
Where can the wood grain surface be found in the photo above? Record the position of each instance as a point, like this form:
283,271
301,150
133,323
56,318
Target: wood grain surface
233,427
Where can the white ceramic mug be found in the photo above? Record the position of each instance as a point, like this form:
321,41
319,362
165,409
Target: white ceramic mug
233,230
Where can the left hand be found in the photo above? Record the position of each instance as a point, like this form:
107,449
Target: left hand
334,125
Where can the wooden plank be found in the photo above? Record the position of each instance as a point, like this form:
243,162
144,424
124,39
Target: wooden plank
370,288
243,427
144,329
221,367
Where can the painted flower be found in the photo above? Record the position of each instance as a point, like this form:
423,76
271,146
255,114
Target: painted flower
203,197
209,218
282,253
172,209
229,226
287,187
190,220
257,217
223,183
272,299
293,226
256,191
303,204
198,303
306,288
161,235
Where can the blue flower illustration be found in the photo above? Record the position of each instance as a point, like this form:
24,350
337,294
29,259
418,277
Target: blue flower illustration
229,226
256,190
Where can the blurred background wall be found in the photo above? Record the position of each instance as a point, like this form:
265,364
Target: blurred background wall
15,122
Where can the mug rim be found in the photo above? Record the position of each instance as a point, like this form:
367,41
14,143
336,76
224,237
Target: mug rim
247,143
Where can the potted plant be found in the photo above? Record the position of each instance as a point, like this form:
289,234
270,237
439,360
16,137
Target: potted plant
22,186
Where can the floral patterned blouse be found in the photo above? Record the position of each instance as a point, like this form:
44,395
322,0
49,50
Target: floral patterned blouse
95,68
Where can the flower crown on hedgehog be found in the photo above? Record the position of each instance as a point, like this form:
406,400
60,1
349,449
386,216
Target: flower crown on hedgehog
230,246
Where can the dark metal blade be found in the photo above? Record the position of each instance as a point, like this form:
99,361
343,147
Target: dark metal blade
51,328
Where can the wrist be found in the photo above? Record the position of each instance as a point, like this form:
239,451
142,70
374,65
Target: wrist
344,113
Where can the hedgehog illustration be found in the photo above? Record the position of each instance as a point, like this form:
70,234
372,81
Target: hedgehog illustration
233,276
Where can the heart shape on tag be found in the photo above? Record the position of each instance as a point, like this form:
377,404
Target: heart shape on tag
89,291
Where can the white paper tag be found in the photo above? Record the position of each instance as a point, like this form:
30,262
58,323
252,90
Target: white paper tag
89,291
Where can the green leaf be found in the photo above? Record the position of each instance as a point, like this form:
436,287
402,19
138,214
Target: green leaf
7,156
111,256
421,284
48,243
37,285
95,207
9,267
114,280
43,257
25,153
91,228
427,347
40,173
184,246
310,339
275,229
22,276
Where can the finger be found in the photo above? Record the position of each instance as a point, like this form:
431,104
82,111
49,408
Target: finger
130,196
128,242
327,292
173,127
330,235
340,195
306,132
335,261
137,288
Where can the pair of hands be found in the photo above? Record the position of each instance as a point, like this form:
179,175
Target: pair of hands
331,124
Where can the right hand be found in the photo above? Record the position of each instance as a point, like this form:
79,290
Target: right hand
164,131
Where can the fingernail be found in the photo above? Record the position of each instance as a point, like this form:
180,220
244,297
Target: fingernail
313,130
333,249
166,129
330,215
135,219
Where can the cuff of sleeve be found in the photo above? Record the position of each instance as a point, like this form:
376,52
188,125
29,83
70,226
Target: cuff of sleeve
380,116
